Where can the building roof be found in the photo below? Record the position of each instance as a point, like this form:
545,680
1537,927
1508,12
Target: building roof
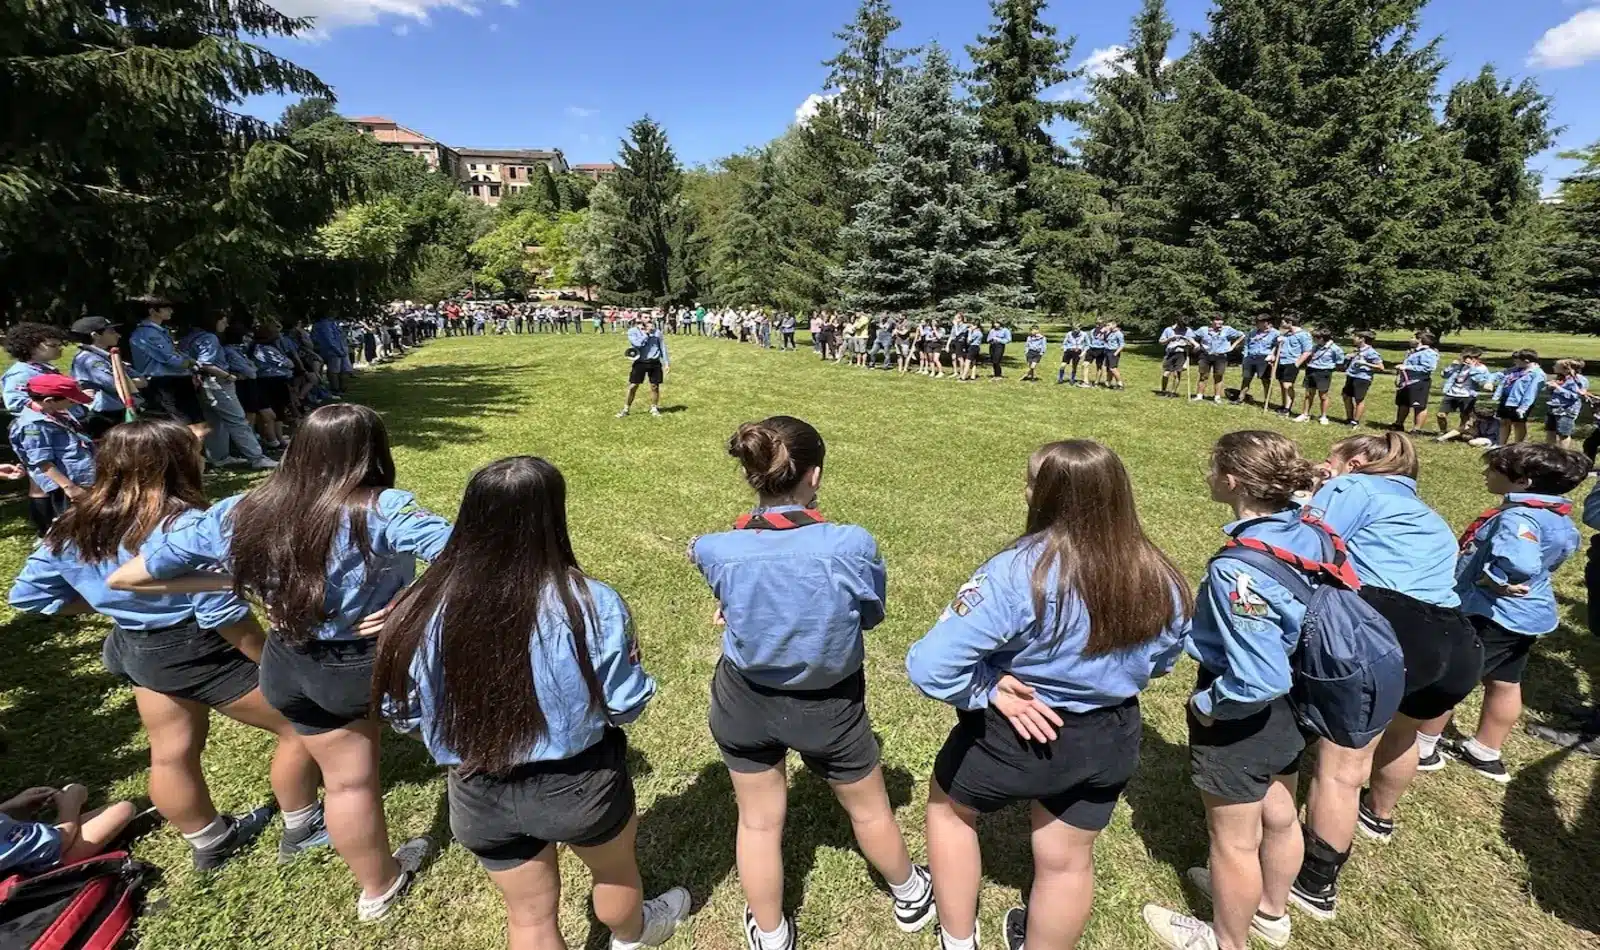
512,155
596,167
372,120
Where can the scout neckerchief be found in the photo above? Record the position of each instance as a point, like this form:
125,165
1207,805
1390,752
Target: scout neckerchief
1338,568
1562,508
778,520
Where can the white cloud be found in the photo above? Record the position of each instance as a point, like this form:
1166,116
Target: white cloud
402,29
1572,43
494,28
579,112
1099,64
808,109
332,14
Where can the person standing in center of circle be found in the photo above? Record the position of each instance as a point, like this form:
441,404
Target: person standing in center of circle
649,360
795,593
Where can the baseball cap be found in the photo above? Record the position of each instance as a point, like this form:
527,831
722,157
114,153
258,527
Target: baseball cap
90,325
47,385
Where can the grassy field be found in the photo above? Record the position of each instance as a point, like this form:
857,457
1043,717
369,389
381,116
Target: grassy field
935,470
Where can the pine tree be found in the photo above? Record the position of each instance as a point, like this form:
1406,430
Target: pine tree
818,183
924,238
865,70
1569,276
744,259
647,229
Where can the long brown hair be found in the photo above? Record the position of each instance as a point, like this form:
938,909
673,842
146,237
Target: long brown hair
509,553
146,473
284,530
1082,516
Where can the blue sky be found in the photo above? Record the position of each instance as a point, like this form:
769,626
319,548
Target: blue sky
725,75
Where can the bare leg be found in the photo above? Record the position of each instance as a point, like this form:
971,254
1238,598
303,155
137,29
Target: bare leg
353,810
618,891
1282,846
177,730
866,801
1334,795
1502,704
956,862
93,832
294,774
763,799
1063,882
1394,765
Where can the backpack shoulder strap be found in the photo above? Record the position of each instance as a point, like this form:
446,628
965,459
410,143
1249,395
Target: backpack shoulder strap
1285,574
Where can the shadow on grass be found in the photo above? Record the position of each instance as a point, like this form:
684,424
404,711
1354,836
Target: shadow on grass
1166,806
1550,685
1561,857
428,407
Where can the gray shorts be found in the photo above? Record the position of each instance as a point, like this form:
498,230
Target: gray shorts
184,662
508,820
755,726
1237,759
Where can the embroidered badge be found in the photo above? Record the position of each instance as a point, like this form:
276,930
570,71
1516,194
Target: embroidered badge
1244,602
1526,533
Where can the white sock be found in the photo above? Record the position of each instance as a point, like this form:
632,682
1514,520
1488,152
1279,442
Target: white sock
777,940
386,895
300,818
1426,744
947,942
912,889
211,835
1481,751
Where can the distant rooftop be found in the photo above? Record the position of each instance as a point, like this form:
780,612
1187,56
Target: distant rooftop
596,166
527,154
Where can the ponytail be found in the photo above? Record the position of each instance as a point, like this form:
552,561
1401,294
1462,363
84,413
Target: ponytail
777,453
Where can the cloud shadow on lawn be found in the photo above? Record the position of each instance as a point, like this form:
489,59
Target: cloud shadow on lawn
431,406
1561,858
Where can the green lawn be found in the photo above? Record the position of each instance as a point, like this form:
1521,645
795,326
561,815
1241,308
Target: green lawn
935,470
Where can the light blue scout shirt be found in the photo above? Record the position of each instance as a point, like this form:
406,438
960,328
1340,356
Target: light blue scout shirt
1176,342
650,345
91,367
49,583
239,365
1517,546
1327,356
572,722
40,437
328,338
991,629
14,383
1259,343
203,347
1097,340
1074,340
153,352
272,362
1421,361
1292,346
28,847
1363,363
401,531
1519,389
1035,344
796,601
1396,541
1217,342
1464,381
1000,335
1115,340
1567,399
1247,625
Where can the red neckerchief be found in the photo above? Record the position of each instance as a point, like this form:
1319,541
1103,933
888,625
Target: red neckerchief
66,419
1562,508
1339,570
778,520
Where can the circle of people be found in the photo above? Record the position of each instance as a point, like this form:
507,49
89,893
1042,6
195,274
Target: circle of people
1341,615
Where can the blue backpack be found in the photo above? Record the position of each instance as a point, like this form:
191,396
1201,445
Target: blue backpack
1349,673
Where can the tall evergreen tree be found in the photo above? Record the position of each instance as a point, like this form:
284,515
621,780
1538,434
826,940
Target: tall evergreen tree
1569,286
744,260
1013,66
866,69
818,184
648,229
924,238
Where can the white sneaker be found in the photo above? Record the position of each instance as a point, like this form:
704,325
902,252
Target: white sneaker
411,856
1197,398
623,414
662,915
1323,421
655,410
1302,417
1275,932
1177,931
1217,400
1481,443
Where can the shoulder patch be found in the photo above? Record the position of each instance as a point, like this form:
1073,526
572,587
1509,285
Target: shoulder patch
1244,602
970,596
1527,533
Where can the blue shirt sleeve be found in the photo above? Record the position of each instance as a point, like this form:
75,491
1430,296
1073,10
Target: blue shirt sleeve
636,337
409,528
1251,629
873,584
192,542
28,845
1516,554
617,662
1343,505
40,588
950,663
154,354
207,349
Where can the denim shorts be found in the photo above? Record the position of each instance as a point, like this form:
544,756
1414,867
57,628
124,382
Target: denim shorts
184,662
321,685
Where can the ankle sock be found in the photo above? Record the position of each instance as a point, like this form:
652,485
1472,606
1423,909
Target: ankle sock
301,817
211,835
913,889
947,942
777,939
1426,744
394,889
1481,751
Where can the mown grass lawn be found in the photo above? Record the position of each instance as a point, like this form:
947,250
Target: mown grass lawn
935,471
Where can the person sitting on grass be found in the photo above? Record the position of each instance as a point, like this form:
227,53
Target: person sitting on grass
1044,653
33,847
516,670
1464,381
795,594
1516,394
1364,361
1504,576
1564,403
1320,363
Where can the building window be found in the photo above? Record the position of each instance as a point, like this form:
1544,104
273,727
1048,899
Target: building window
511,172
494,191
476,190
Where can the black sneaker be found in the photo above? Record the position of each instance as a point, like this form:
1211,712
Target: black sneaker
752,933
243,830
300,840
1492,769
1016,927
1378,829
1433,761
912,916
1319,904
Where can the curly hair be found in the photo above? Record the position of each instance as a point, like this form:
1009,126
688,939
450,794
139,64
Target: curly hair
24,338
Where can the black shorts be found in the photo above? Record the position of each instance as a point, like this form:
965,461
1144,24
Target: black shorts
1414,395
1510,414
1357,389
1175,362
1097,357
1078,778
1288,372
175,398
274,394
1112,359
1071,356
645,368
508,820
755,726
321,685
1255,367
1461,404
249,393
1505,654
974,351
1320,380
1033,358
1444,658
184,662
1214,363
1237,759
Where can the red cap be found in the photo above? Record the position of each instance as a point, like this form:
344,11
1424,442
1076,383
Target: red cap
64,387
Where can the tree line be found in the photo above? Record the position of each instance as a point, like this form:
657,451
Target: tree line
1300,157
